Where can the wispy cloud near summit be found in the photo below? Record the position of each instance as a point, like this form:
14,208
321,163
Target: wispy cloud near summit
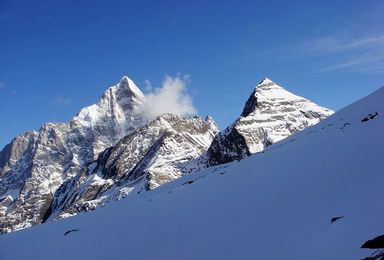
170,97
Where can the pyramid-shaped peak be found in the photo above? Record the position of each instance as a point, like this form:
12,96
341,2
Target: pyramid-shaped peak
268,84
266,81
127,84
268,94
267,89
119,102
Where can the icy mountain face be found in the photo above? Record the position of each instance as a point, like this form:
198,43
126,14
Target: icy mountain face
280,204
34,165
152,155
114,115
270,115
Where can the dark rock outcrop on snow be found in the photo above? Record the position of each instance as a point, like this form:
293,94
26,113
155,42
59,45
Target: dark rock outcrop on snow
377,242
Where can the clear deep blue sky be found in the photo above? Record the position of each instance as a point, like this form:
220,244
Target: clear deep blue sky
59,56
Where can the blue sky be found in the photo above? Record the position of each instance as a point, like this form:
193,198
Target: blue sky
59,56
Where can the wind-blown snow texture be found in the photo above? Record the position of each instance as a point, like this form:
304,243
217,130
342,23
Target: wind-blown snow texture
273,205
109,151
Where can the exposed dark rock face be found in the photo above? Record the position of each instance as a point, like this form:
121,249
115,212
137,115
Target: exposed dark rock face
377,242
227,147
250,105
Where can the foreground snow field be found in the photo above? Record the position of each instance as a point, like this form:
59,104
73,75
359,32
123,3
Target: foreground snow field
274,205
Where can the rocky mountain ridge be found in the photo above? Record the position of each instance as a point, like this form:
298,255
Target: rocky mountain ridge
34,165
109,150
152,155
313,195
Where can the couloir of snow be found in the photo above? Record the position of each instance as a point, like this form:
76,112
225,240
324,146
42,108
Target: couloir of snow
274,205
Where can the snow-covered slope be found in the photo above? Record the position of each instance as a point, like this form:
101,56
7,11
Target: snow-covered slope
270,115
65,168
34,165
277,204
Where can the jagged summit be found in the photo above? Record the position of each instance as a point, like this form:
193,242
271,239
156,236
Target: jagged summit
120,103
34,166
127,84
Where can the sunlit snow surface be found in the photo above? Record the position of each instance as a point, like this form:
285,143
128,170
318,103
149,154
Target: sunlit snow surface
277,114
274,205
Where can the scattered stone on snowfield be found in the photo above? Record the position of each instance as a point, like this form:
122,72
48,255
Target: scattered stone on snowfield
69,231
334,219
370,116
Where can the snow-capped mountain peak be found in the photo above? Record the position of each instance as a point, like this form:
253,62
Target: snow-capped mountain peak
315,195
119,102
270,114
265,81
128,84
109,150
267,94
211,122
34,166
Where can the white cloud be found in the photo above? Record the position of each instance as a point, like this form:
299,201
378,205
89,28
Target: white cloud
61,100
171,97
